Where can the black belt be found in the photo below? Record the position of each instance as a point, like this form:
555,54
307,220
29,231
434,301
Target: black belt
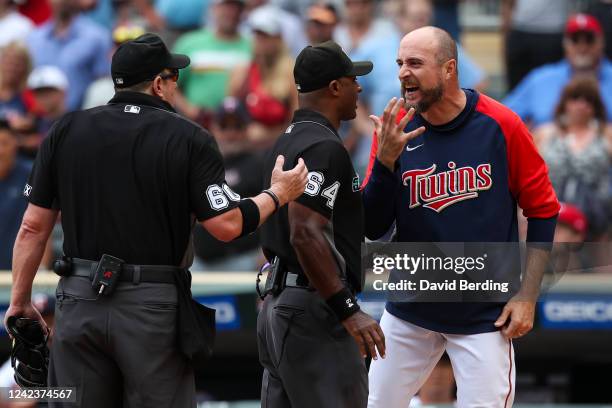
298,280
129,273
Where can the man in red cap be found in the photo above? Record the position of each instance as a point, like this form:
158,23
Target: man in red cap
536,96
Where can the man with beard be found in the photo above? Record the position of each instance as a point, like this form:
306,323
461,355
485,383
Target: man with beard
414,181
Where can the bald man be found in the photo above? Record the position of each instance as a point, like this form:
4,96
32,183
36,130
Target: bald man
445,168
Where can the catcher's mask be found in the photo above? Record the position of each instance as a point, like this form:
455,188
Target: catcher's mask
29,354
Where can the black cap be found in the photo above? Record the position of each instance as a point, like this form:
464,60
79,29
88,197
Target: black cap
141,59
316,66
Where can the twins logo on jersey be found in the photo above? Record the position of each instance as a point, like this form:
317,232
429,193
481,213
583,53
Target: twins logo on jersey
437,191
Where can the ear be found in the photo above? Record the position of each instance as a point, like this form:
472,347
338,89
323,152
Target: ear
450,69
334,87
157,86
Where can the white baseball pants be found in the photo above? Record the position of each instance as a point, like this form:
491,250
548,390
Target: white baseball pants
483,365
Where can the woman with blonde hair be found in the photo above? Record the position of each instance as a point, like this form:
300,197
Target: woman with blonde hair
266,85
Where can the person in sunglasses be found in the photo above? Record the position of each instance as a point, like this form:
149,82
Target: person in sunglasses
130,179
536,96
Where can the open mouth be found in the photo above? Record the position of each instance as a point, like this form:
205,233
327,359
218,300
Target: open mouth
411,91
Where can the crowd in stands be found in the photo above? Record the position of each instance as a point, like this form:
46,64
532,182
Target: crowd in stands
55,58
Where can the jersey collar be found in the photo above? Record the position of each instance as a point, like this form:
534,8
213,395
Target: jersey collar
301,115
139,98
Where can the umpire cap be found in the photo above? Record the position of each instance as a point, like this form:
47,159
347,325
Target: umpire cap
141,59
316,66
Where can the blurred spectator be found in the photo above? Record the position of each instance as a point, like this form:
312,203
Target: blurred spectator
603,10
292,29
15,66
446,16
577,150
13,25
266,86
14,173
361,25
368,38
173,17
321,20
39,11
213,54
572,225
49,86
535,98
75,44
100,11
533,31
243,174
568,252
103,89
415,14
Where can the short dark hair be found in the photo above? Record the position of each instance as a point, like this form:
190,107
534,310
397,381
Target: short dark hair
139,87
447,47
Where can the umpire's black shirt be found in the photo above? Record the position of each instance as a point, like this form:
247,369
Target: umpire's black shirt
128,177
332,191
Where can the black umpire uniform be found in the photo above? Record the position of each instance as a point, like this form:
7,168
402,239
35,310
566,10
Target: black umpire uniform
128,178
309,358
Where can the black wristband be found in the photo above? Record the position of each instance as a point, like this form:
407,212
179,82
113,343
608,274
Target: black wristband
274,198
343,304
250,216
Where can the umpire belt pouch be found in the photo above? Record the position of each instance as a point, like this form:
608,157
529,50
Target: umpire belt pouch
275,279
196,323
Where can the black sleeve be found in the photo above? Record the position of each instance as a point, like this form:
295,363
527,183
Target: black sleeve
41,188
328,165
209,193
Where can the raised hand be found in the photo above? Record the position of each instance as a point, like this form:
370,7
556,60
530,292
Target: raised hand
390,133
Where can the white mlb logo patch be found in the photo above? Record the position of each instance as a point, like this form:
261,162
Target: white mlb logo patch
132,109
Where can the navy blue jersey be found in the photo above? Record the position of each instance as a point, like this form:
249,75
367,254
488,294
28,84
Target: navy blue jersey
460,182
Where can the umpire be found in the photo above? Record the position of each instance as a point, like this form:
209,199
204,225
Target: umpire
130,178
312,336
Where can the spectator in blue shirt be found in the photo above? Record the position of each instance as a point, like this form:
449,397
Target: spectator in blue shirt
75,44
14,173
536,96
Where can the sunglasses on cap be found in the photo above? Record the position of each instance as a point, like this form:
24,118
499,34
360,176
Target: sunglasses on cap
585,36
